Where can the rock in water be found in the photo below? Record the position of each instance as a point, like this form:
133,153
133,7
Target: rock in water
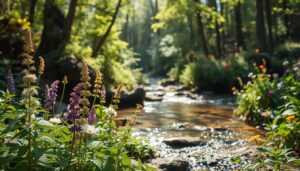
181,142
171,164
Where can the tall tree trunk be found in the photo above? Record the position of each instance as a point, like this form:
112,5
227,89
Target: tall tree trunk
238,26
125,27
270,25
286,18
70,19
191,28
104,37
32,11
260,26
222,26
217,28
53,32
201,32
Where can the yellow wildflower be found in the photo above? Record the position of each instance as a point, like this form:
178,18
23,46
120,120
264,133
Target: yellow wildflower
255,138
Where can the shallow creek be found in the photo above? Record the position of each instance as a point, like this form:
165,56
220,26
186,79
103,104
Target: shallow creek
209,119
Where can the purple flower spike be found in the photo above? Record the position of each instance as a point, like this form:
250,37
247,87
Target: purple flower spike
75,128
50,95
92,117
270,93
73,107
10,82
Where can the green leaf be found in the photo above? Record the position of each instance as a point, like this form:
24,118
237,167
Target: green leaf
113,150
97,163
288,112
45,123
126,160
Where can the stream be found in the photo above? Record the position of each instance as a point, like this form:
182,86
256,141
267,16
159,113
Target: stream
201,130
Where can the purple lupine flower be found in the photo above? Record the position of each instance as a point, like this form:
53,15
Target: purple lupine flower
50,95
75,128
10,82
92,116
270,93
73,106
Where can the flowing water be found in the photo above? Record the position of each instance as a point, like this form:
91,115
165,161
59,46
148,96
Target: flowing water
208,118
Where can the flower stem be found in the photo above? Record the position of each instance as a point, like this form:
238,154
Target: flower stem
79,152
62,96
71,151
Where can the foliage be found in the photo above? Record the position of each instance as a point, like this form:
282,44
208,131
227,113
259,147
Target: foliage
273,103
219,75
39,136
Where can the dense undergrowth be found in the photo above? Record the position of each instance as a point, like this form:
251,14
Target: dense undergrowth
37,133
273,103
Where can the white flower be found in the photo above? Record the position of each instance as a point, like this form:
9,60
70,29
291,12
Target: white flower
90,129
285,63
250,75
32,101
29,78
29,92
31,111
55,120
111,112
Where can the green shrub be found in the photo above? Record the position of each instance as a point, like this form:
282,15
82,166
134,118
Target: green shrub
214,75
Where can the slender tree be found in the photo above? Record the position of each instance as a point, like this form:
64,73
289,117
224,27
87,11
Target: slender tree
286,18
217,29
238,26
201,32
32,10
98,44
269,23
70,19
260,26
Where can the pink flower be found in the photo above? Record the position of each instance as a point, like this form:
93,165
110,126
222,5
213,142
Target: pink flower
270,93
275,75
266,113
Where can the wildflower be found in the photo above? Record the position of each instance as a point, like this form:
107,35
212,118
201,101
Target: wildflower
10,82
51,95
29,92
29,78
290,118
266,113
65,80
97,85
275,75
263,68
225,66
41,66
260,78
270,93
103,94
28,47
296,68
75,128
285,63
73,106
85,93
250,74
55,120
257,50
92,116
117,97
111,112
26,101
255,138
249,83
90,129
240,80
